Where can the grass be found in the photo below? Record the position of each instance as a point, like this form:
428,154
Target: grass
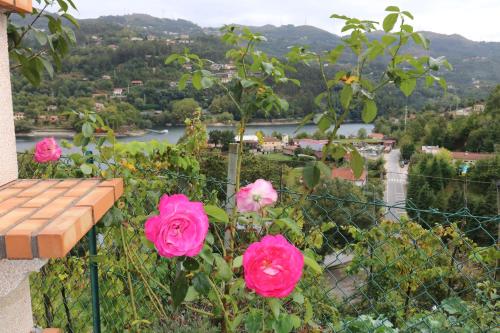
277,157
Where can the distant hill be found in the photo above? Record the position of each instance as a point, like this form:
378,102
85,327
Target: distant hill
476,64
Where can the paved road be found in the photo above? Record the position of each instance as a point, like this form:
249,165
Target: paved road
395,188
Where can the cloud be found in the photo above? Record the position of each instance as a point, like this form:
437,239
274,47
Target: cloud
473,19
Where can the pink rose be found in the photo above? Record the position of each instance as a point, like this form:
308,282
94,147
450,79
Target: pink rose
253,197
47,150
272,266
180,229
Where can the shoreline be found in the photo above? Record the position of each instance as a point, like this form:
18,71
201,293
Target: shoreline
62,133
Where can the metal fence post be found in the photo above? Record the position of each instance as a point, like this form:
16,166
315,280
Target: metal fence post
231,177
94,283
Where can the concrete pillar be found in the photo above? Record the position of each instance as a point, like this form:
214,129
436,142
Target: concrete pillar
15,298
8,164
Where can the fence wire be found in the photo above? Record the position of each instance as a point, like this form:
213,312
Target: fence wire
410,274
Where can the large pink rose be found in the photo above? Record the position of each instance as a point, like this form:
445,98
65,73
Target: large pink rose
47,150
180,229
253,197
272,266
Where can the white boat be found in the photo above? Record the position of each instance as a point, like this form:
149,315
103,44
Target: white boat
165,131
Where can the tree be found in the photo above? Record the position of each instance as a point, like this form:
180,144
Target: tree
222,138
362,133
183,109
52,42
407,150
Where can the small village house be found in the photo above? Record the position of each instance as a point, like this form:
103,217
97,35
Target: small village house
18,116
470,157
347,174
271,144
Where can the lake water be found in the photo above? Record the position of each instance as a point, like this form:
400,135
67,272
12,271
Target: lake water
174,133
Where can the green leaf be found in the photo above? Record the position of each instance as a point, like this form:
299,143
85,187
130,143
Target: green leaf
337,151
407,86
223,270
295,320
201,283
454,305
311,174
183,80
197,81
179,288
283,324
190,264
86,169
206,82
275,306
357,163
346,96
369,111
324,123
253,321
216,213
87,130
48,66
407,14
313,264
171,58
248,83
392,9
324,169
298,297
237,262
419,39
290,224
389,21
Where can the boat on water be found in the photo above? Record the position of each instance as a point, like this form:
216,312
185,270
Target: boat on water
165,131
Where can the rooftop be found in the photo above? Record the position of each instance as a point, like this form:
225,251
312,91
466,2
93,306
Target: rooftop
460,155
347,174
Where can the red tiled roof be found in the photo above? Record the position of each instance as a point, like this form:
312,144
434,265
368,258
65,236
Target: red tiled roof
379,136
271,139
347,174
460,155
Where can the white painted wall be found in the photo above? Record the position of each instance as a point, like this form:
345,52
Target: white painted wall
8,160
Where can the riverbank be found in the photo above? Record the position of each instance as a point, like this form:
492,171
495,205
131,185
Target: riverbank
68,134
258,123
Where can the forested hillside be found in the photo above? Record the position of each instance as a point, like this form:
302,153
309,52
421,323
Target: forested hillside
128,53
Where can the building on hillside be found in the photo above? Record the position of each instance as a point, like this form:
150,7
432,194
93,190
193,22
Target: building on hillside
18,116
250,141
271,144
118,92
98,107
51,108
348,175
113,47
136,83
136,39
106,77
290,150
465,112
377,136
173,84
316,145
470,157
371,151
430,149
100,95
478,108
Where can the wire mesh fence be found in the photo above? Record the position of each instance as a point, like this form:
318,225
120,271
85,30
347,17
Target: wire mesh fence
381,269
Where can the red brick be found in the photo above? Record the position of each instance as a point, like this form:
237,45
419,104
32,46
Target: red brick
44,198
18,239
117,184
24,183
82,188
37,188
10,219
57,238
9,204
54,208
101,199
66,183
8,193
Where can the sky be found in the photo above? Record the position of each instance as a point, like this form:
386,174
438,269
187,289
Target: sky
473,19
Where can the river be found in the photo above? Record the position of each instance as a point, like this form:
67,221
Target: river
174,133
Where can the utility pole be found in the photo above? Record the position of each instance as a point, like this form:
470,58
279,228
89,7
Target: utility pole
406,114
